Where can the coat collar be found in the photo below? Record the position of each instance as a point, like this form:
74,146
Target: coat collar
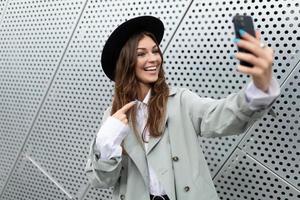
153,141
131,142
172,91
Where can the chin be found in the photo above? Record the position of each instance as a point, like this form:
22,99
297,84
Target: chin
153,80
148,81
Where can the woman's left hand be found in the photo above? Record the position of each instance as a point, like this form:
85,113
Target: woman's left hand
260,57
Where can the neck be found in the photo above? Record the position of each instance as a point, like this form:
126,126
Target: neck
143,91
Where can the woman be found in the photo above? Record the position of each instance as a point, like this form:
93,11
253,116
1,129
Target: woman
147,145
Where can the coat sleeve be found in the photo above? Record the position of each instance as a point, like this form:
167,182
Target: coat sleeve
102,173
215,118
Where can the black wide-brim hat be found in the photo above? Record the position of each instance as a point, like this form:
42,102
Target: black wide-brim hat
121,34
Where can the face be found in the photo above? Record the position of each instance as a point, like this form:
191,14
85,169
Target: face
148,61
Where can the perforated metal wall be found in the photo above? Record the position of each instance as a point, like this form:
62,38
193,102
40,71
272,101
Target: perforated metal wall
53,91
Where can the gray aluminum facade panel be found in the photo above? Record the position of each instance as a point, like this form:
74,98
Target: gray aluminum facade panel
54,93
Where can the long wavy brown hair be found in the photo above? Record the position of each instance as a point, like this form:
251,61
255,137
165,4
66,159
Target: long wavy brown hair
127,87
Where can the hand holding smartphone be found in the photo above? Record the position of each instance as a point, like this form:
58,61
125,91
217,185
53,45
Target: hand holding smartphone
243,22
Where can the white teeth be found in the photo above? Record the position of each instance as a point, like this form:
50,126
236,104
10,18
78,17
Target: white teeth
150,68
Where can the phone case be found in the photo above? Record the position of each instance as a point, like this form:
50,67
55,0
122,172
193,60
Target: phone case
245,23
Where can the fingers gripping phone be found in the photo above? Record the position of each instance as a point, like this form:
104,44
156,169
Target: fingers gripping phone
243,22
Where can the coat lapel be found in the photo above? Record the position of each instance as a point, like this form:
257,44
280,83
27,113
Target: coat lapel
160,161
137,153
154,140
160,157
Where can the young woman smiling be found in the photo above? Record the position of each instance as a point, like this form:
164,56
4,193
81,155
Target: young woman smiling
147,145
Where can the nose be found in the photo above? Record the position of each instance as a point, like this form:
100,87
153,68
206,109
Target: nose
153,57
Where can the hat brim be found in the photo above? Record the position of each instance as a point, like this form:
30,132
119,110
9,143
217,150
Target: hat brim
121,34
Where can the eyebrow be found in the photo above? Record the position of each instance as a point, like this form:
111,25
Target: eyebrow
143,48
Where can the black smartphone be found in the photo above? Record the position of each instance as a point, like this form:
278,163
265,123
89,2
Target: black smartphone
245,23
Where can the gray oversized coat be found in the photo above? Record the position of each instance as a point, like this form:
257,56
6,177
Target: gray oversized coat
176,156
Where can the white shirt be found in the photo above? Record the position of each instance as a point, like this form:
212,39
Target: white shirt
113,131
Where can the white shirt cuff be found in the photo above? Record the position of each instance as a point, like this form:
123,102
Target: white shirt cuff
258,99
110,137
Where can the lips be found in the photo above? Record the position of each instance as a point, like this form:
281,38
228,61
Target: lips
150,68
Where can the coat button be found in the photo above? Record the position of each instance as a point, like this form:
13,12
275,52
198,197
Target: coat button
175,158
186,188
122,196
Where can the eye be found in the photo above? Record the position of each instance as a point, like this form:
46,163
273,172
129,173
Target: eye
155,51
140,54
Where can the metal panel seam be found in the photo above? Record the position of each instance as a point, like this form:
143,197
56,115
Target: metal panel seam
269,170
42,102
188,8
245,134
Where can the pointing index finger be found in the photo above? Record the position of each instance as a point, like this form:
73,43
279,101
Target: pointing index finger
127,106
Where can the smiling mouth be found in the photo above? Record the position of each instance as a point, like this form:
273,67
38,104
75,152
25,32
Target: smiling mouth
150,68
